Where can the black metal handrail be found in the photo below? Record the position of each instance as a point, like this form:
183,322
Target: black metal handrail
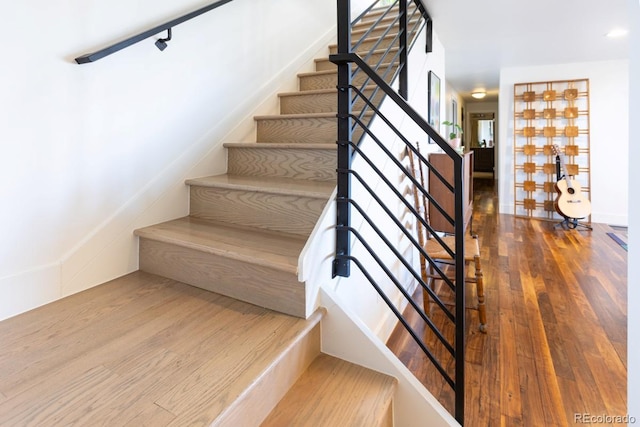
351,64
160,44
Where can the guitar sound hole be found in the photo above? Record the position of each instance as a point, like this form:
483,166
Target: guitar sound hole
570,190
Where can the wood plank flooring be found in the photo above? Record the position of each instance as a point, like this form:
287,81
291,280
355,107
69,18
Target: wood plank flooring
555,351
140,350
343,394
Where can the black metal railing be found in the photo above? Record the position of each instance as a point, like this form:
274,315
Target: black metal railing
160,43
371,134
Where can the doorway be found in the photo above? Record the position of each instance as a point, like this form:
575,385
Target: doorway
482,141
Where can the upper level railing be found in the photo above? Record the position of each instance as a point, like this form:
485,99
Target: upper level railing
370,160
160,43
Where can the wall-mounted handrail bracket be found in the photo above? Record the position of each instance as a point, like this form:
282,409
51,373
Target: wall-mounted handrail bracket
162,43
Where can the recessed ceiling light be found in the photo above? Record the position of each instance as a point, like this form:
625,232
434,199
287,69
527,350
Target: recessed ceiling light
617,32
479,94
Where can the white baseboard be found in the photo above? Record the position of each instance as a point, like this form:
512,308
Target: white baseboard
619,220
30,289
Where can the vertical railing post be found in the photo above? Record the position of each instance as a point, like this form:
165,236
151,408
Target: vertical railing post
458,165
429,25
403,85
429,46
341,265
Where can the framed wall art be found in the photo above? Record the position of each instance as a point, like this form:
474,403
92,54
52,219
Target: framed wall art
434,102
454,111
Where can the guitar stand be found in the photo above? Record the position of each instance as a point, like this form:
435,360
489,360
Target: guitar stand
572,223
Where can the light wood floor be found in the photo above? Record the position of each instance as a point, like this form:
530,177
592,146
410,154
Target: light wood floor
141,350
557,325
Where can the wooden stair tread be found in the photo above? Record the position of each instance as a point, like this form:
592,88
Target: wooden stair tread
273,185
297,116
373,52
318,91
380,51
331,115
285,145
317,73
335,392
308,92
329,72
373,16
261,247
386,37
363,27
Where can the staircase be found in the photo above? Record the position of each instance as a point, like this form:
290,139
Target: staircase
246,228
242,239
150,348
154,347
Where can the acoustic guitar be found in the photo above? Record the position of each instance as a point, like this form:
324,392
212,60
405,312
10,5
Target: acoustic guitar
571,203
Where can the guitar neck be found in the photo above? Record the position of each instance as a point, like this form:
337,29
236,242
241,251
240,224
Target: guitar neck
565,170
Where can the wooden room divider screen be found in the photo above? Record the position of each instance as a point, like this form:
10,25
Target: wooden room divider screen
548,114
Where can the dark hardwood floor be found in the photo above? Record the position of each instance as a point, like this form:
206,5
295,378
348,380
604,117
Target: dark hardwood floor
555,351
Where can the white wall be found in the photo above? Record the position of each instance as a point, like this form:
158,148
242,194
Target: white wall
609,133
633,320
91,152
450,93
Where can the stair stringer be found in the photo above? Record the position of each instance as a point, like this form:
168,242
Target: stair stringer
345,336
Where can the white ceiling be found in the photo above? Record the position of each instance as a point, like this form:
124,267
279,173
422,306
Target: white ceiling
481,37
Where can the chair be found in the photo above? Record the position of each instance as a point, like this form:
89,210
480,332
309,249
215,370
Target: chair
439,254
